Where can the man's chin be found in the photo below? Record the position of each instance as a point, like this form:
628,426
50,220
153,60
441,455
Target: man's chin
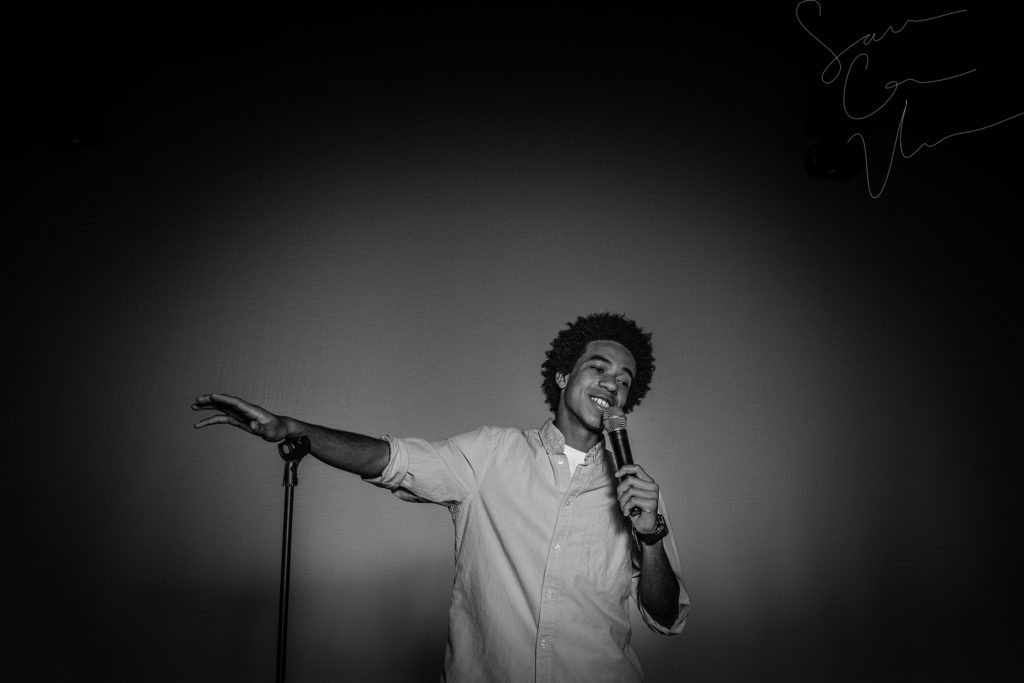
595,424
590,417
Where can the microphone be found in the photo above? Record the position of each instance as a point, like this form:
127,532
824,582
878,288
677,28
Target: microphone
615,424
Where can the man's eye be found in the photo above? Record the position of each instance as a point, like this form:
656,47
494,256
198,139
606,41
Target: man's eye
597,369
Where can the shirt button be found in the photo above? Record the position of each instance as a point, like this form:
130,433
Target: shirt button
543,642
558,546
561,462
550,594
568,502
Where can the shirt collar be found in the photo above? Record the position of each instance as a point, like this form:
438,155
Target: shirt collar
554,442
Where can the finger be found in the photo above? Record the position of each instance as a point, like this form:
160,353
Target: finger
205,401
631,483
228,399
217,399
646,505
234,405
633,480
249,410
635,487
634,470
218,420
634,510
634,497
224,409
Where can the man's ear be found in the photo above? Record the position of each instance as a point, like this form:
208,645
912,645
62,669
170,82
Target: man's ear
560,380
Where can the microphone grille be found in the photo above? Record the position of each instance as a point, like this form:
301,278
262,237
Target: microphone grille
614,419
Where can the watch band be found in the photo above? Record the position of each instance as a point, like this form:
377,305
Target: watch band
659,532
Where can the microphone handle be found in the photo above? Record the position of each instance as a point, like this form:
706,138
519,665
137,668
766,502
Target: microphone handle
620,448
622,455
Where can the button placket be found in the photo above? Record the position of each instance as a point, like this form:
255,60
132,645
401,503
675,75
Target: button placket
554,574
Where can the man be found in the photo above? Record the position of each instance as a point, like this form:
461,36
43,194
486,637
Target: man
546,552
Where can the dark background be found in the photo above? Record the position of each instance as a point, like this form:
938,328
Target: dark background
379,222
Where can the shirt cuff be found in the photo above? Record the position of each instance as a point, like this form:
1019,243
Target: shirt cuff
393,472
678,625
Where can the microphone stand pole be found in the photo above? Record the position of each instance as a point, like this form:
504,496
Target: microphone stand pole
291,451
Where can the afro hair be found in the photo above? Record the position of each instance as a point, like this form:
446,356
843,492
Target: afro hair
569,345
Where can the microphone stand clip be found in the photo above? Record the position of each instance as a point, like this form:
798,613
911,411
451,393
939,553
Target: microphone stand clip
292,450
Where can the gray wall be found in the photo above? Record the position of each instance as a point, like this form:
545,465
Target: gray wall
380,231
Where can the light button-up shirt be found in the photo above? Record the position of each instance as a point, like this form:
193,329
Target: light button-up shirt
545,563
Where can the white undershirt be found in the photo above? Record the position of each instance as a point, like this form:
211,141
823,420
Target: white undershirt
574,457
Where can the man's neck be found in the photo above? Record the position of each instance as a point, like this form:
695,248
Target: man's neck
576,435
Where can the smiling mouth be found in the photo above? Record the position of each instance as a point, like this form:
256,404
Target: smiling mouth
602,403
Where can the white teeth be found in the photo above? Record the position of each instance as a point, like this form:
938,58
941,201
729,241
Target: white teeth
600,401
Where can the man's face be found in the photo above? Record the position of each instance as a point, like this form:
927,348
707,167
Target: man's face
600,379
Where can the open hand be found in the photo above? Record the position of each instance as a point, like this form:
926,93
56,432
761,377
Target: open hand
246,416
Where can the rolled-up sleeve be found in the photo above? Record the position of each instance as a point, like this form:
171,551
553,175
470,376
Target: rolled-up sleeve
672,552
443,472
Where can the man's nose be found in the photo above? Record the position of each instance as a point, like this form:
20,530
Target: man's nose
609,383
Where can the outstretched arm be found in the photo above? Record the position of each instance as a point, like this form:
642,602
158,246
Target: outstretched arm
363,455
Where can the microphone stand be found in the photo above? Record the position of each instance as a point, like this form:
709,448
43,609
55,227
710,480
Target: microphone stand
291,451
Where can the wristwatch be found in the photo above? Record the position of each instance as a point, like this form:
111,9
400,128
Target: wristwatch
659,532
